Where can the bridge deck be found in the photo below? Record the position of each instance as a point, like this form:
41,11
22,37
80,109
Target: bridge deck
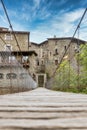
43,109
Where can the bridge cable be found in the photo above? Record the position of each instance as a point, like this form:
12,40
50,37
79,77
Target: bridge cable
10,25
49,81
70,42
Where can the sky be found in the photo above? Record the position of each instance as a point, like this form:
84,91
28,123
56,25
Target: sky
45,18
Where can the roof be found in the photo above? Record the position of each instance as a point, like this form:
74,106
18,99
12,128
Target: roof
3,29
34,43
61,38
17,32
44,42
6,30
68,38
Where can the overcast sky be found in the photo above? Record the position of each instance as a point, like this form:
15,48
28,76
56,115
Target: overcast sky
45,18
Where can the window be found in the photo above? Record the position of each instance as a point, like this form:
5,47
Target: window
8,36
56,51
56,62
37,62
43,54
12,59
11,76
1,76
65,48
42,62
8,47
25,60
23,75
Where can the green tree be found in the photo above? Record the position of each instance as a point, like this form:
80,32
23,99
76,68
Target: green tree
65,79
83,63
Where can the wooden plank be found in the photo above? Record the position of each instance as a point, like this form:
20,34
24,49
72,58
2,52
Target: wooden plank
43,109
38,115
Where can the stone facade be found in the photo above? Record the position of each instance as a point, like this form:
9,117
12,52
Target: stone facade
13,58
9,44
51,51
40,60
8,37
15,79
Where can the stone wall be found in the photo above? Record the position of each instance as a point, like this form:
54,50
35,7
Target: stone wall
15,79
8,37
51,51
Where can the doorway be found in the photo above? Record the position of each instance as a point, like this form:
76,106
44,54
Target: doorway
41,79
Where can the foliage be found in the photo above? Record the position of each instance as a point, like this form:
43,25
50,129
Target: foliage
67,79
64,80
83,56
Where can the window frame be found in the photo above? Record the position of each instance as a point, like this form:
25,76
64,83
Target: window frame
8,37
23,75
11,76
1,76
6,48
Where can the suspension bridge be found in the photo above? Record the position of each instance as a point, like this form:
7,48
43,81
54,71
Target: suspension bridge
70,72
42,108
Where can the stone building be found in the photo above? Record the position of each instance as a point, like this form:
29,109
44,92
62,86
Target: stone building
15,56
40,60
51,51
19,51
8,36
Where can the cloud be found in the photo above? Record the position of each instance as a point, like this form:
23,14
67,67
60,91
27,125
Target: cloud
38,36
75,15
62,25
44,19
0,6
36,10
3,21
36,4
67,22
18,26
40,10
83,3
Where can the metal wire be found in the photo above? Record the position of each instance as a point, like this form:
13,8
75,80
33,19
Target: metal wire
10,25
68,48
70,42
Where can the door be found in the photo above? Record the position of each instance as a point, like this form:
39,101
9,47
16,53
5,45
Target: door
40,80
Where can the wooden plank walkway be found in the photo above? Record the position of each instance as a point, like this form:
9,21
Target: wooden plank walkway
43,109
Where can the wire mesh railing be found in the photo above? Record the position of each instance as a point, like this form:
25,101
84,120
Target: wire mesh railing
13,76
71,72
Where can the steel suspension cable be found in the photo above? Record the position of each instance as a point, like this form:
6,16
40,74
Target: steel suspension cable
10,25
70,41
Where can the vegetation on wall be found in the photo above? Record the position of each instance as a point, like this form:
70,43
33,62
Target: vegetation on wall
69,79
